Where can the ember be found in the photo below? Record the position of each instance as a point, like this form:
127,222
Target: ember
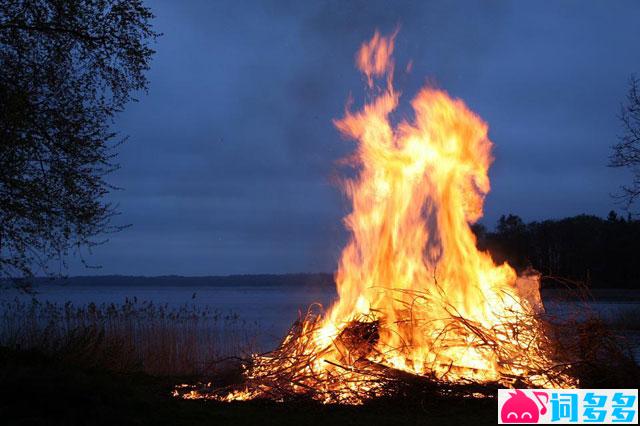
418,302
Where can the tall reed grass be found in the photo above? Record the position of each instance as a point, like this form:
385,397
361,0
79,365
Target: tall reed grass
132,336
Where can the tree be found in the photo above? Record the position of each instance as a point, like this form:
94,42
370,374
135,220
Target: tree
626,153
511,225
514,238
67,67
596,251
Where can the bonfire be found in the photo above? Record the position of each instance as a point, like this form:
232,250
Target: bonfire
418,303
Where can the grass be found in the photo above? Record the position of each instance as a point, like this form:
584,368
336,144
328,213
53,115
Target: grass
118,364
38,389
131,337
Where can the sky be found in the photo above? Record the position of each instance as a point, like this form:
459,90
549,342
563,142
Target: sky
231,162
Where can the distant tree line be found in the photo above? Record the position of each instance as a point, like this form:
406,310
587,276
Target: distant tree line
588,249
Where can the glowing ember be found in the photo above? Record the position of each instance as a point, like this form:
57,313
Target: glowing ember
416,297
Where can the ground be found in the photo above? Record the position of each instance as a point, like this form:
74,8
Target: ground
40,390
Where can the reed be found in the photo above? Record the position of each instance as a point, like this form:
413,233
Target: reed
128,337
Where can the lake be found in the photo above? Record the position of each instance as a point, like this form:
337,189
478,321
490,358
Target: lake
273,308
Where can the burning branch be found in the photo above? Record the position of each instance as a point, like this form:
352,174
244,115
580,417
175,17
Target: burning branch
399,325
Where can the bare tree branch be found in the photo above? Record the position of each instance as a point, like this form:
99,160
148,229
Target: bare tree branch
67,67
626,153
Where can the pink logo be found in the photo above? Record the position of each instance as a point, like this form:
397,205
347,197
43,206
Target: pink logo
519,408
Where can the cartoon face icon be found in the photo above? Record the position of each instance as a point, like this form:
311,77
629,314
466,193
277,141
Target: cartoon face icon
519,408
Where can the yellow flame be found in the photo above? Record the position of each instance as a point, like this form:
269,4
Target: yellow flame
440,306
412,257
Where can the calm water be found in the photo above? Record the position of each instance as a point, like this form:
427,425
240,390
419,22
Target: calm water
274,308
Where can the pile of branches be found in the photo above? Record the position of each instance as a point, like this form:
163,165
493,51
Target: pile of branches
532,350
295,370
288,373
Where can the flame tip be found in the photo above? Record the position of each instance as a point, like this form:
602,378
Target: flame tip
414,293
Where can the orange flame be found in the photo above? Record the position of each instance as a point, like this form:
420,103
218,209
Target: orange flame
412,259
441,307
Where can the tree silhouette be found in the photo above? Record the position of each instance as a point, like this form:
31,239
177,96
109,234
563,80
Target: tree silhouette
626,153
584,248
66,68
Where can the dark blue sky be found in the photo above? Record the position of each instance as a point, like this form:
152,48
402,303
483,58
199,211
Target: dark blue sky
230,160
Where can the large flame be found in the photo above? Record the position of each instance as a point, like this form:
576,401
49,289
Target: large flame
415,294
412,259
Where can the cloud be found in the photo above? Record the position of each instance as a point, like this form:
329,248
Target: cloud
231,154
